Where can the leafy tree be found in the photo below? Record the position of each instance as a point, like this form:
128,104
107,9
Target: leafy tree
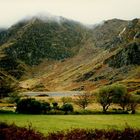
84,100
120,95
118,90
117,94
45,107
133,103
29,106
105,97
67,108
55,106
124,101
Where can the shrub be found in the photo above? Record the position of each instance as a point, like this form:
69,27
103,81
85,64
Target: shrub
13,132
29,106
67,108
82,134
66,100
45,107
51,100
55,107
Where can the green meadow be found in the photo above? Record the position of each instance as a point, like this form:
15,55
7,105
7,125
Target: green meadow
53,123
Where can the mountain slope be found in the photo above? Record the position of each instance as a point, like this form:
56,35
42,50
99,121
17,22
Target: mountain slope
92,68
40,39
65,55
28,42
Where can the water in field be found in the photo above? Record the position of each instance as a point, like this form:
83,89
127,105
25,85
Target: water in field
52,94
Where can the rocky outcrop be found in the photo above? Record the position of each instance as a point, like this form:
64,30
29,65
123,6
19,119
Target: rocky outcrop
126,56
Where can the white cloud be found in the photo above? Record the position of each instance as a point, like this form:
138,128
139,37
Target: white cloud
86,11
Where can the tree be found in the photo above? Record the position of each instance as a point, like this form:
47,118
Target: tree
14,97
105,97
66,100
55,106
29,106
45,107
115,93
120,95
67,108
124,101
83,100
133,103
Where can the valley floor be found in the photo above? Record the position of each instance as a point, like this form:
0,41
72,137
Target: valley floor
53,123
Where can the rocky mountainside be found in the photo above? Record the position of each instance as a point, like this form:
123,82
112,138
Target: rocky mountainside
50,55
129,53
31,41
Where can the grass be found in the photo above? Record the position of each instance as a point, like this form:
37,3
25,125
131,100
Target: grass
53,123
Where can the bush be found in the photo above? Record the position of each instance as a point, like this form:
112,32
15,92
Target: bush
13,132
32,106
45,107
29,106
67,108
55,107
50,100
66,100
82,134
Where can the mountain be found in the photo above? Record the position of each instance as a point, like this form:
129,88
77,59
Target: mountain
31,41
106,34
129,53
54,55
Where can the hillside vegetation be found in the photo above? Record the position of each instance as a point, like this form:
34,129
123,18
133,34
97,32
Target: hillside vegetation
50,55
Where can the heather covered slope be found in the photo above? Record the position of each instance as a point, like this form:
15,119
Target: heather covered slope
65,55
29,42
92,68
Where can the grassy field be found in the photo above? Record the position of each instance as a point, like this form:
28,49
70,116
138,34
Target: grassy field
51,123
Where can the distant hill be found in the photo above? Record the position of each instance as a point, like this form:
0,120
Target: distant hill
55,55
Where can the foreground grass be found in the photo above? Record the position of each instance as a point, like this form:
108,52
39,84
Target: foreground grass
52,123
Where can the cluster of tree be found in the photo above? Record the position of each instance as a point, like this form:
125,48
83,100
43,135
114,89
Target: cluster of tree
32,106
106,96
117,94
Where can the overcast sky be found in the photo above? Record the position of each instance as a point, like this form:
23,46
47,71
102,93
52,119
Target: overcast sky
85,11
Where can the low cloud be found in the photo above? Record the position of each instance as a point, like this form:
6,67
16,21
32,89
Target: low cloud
85,11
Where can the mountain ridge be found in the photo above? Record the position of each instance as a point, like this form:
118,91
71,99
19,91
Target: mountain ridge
84,59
